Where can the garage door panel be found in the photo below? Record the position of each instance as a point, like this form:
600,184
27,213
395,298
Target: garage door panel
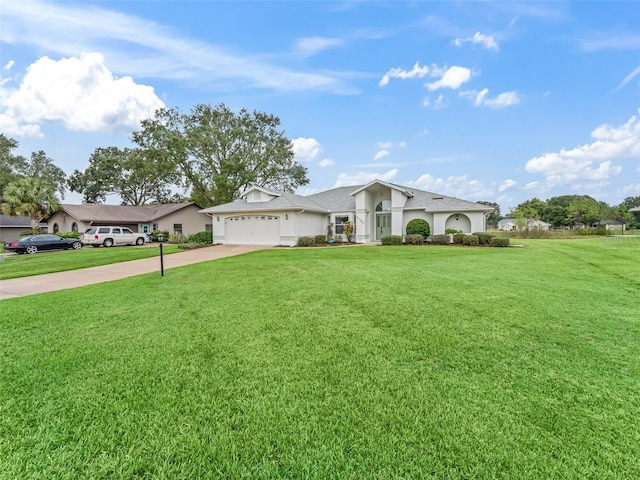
253,230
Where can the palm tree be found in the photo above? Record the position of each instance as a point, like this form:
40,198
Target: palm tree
32,197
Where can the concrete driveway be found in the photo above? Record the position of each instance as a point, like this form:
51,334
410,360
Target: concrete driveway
20,287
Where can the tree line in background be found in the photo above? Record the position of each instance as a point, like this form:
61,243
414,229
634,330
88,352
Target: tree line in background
214,154
567,211
211,152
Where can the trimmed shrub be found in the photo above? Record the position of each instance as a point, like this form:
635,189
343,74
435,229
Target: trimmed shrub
414,239
458,238
471,240
305,241
452,230
201,237
500,242
418,226
440,240
484,237
320,239
69,234
391,240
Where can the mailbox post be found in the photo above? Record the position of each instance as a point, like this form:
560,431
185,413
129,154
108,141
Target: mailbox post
161,239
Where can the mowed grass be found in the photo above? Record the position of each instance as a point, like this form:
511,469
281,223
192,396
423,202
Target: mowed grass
363,362
15,266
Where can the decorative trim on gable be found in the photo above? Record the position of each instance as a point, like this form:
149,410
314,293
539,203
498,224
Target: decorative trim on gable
402,190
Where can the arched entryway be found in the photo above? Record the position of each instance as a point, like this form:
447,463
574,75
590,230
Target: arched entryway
458,221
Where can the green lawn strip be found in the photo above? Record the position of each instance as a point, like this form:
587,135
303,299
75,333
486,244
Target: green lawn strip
15,266
368,362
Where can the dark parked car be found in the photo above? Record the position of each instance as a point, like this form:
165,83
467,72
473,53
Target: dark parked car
39,243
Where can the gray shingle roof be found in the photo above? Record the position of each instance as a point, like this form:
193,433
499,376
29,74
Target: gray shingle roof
17,221
286,201
341,199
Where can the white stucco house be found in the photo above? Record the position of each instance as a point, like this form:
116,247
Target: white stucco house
268,217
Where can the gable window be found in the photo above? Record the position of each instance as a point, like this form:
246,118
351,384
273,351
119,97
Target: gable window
384,206
177,228
340,221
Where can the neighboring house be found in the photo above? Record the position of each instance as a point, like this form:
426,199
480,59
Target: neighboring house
508,224
268,217
12,227
610,225
173,217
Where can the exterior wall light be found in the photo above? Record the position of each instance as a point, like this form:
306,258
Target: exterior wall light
457,217
286,216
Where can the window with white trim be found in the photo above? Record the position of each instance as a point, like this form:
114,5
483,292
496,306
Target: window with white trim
339,223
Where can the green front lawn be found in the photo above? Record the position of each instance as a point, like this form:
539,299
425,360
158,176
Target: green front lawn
359,362
15,266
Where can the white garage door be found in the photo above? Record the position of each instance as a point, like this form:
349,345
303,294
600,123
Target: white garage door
253,230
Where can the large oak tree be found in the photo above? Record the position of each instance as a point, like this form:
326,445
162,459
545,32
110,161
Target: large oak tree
220,153
137,176
14,167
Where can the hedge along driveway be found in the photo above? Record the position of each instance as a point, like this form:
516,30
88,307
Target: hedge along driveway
371,362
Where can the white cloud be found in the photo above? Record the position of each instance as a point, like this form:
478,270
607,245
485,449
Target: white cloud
457,186
312,45
504,99
360,178
485,41
326,162
385,145
592,161
306,150
8,65
506,185
452,78
402,144
80,93
381,154
10,126
142,48
416,72
532,185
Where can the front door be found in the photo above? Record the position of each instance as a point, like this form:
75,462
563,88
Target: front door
383,225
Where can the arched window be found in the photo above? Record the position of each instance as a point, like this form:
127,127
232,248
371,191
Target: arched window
384,206
74,227
56,228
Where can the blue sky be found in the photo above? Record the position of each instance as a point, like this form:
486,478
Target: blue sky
498,101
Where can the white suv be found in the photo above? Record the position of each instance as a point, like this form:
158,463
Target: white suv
110,236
